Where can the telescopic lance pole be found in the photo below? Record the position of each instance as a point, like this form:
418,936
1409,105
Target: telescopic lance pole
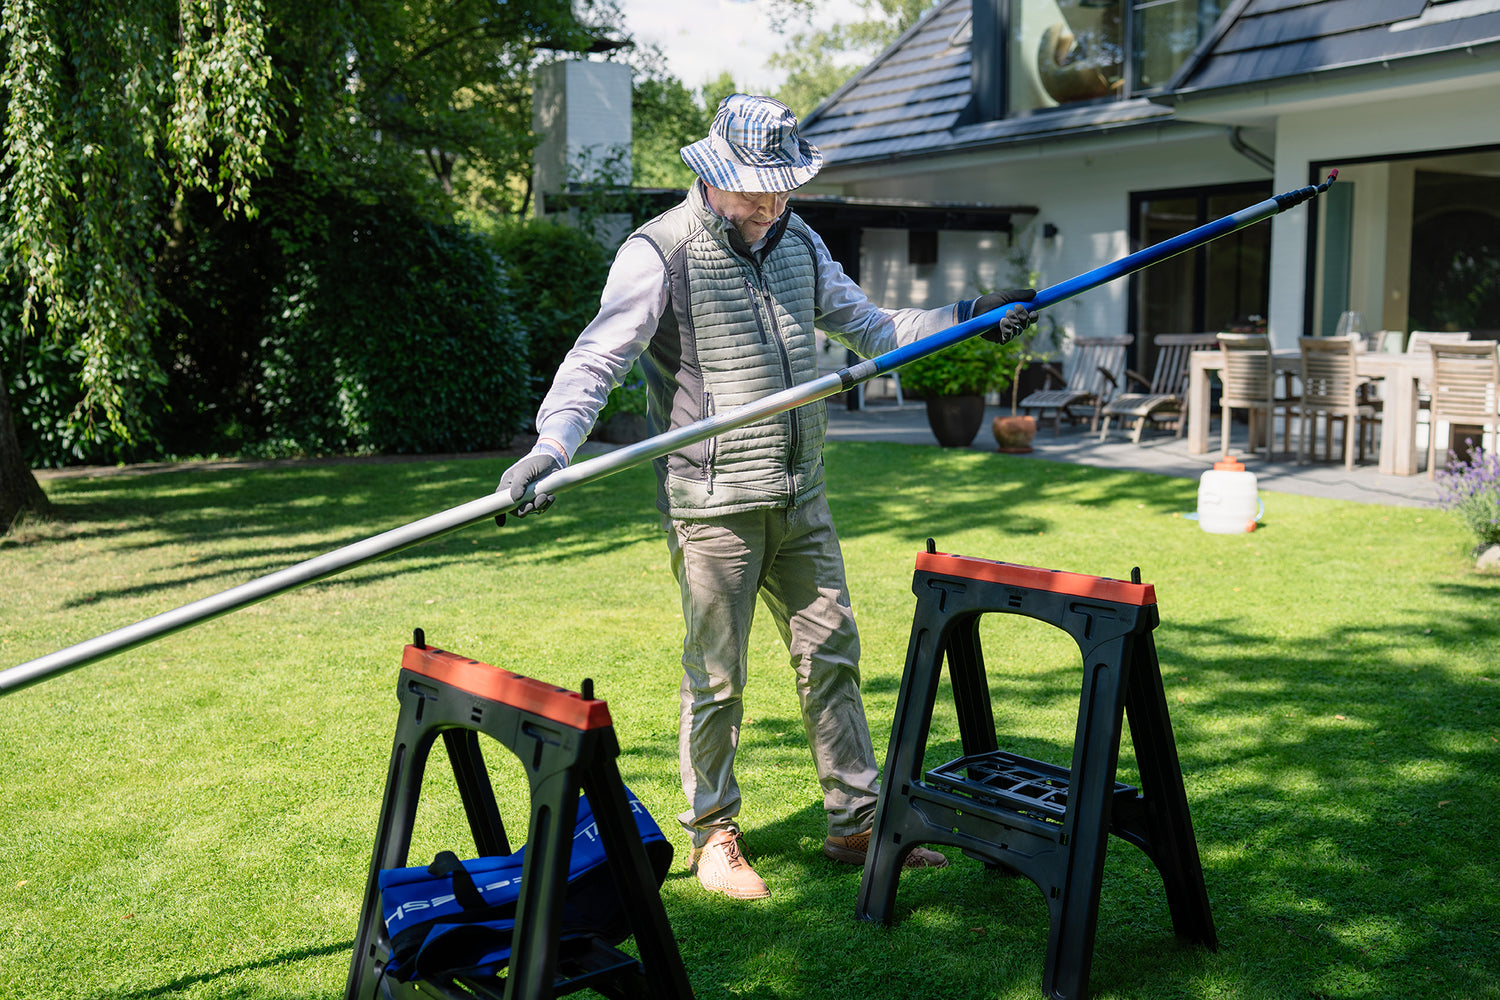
581,473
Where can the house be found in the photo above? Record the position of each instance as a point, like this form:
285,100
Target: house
1119,123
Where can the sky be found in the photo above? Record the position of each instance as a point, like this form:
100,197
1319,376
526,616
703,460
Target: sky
703,38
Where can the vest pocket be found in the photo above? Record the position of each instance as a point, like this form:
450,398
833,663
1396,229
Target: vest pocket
757,303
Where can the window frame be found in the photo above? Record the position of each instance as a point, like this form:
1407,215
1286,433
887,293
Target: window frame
1131,14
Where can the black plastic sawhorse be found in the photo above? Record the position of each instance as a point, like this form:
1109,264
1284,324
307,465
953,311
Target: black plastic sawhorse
1049,823
566,742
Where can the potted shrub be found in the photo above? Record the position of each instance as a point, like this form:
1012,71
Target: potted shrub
953,383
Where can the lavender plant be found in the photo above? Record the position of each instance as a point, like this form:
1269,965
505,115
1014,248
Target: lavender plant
1470,488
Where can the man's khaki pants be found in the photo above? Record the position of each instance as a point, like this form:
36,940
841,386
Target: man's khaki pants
789,557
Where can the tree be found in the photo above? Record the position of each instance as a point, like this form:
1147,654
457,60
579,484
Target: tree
133,131
451,81
19,489
665,116
110,115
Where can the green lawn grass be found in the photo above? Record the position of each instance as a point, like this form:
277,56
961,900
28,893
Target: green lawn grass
194,818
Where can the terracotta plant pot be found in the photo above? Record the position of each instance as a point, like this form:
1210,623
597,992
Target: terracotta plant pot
955,419
1013,434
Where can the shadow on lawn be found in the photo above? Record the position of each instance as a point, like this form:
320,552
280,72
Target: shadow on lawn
1351,806
178,986
1341,796
1333,867
240,524
807,942
249,523
1341,801
875,486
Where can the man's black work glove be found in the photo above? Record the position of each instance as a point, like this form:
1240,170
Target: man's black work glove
1014,321
540,463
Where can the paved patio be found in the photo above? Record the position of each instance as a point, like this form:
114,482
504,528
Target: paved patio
1159,452
883,420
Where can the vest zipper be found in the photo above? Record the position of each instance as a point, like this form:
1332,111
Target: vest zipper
771,333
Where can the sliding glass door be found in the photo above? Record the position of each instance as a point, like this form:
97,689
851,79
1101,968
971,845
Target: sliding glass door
1221,286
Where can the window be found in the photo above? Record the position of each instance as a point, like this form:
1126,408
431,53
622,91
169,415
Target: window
1223,285
1067,51
922,247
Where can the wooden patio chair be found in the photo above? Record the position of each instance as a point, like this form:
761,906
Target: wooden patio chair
1419,342
1330,387
1465,383
1249,383
1094,375
1164,396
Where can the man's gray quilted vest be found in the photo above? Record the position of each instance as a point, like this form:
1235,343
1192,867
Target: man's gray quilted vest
739,327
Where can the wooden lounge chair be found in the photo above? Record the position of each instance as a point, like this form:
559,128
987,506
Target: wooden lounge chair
1097,365
1164,396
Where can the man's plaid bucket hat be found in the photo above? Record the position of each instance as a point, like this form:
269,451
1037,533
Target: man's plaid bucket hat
753,146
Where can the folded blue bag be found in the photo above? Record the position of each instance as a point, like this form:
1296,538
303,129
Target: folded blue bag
457,917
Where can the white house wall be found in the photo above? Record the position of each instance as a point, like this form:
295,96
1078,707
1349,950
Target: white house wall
1082,186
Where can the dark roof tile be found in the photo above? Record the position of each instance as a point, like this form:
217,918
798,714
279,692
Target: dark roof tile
1277,39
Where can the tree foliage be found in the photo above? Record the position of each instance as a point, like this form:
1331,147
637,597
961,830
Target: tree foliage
117,115
562,269
112,113
169,165
451,82
665,116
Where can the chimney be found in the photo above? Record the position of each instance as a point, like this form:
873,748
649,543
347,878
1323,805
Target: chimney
580,110
987,61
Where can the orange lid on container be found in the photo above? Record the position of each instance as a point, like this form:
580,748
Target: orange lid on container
1229,464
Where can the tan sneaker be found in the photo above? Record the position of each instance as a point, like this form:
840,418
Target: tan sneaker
852,849
721,867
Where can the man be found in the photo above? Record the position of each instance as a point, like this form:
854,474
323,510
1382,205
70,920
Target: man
718,297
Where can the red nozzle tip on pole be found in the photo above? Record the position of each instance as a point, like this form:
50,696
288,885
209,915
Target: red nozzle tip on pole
1333,174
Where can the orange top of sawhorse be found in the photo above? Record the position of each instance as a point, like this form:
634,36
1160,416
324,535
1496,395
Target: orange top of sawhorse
549,701
1099,588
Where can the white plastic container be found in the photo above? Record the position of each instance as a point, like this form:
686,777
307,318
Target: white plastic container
1228,501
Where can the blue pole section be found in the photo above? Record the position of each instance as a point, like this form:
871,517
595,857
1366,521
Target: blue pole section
581,473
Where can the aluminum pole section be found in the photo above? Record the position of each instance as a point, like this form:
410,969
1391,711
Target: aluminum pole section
581,473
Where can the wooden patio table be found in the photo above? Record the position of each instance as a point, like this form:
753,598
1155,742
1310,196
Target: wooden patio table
1400,373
